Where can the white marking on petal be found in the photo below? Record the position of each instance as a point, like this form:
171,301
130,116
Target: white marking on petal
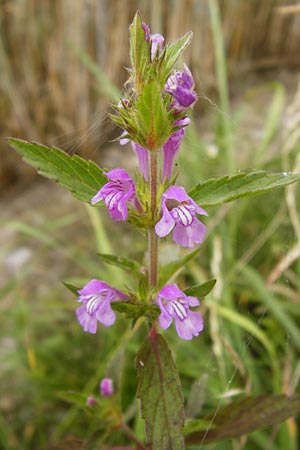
185,215
92,304
179,309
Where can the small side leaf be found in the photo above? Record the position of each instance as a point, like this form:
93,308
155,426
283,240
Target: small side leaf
245,416
139,52
200,290
153,122
136,310
83,178
160,393
222,190
173,53
71,287
128,265
166,272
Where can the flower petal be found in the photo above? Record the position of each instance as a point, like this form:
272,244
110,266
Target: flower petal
191,326
164,319
105,314
165,225
94,287
87,321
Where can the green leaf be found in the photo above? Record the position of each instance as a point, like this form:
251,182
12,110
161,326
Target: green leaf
153,121
139,52
128,265
222,190
169,269
245,416
160,393
83,178
136,310
172,54
71,287
201,290
73,397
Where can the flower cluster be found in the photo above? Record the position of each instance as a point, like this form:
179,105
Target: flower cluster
177,212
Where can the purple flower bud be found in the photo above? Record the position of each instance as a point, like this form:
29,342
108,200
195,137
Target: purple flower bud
106,387
147,31
91,401
181,86
119,191
179,211
96,297
175,305
172,145
141,153
157,44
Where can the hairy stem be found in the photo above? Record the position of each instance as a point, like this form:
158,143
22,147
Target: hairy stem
152,237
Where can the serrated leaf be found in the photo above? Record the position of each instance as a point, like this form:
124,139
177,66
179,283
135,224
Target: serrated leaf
222,190
172,54
126,264
200,290
160,393
166,272
153,121
139,52
83,178
245,416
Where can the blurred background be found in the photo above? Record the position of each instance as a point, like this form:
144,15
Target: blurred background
62,62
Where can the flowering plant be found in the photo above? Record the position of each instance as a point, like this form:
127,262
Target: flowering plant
153,117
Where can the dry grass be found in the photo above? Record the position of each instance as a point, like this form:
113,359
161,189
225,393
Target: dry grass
46,91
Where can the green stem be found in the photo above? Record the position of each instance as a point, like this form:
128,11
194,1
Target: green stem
152,237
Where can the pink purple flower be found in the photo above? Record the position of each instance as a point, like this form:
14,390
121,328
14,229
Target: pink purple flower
119,191
175,305
171,147
156,40
91,401
157,44
106,387
179,212
181,86
96,297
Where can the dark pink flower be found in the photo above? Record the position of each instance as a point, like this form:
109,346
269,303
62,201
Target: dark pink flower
175,305
179,212
96,297
106,387
181,86
119,191
171,147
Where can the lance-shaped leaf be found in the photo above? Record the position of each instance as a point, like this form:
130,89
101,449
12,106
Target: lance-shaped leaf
153,121
83,178
172,53
126,264
166,272
160,393
200,290
139,52
245,416
222,190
